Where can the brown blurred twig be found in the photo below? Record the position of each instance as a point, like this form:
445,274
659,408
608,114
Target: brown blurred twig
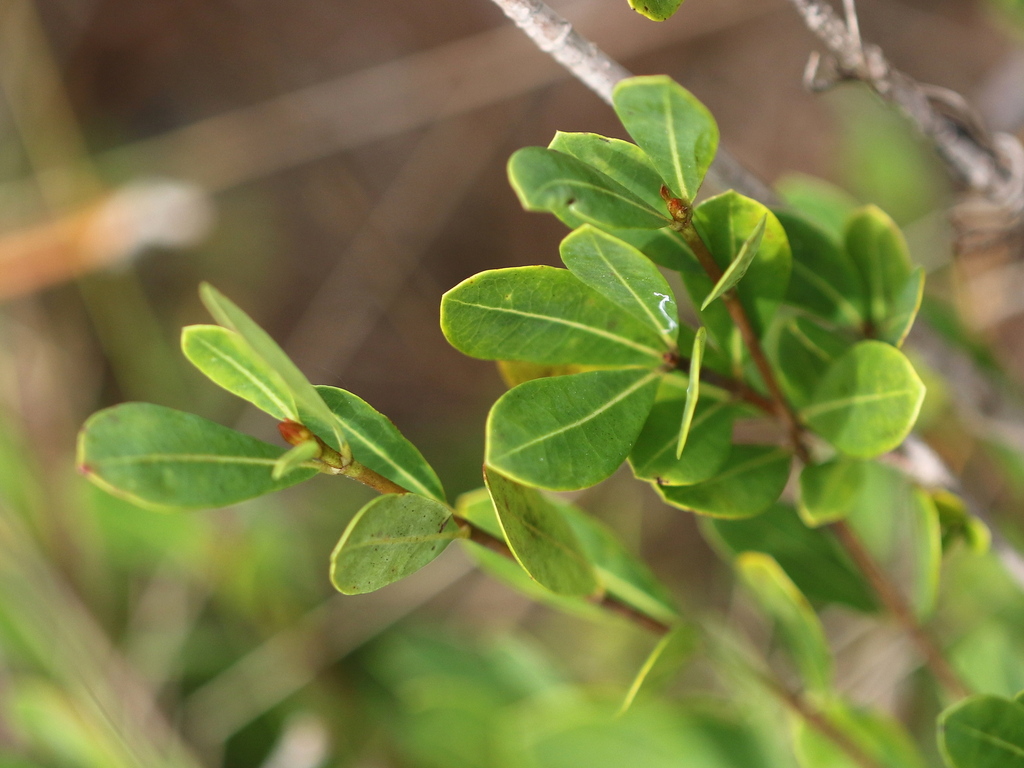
989,164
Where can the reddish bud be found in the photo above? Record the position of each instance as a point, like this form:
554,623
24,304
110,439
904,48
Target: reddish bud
294,433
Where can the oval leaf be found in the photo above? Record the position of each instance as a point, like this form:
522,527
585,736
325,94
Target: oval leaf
876,246
159,457
672,127
569,432
312,411
539,537
390,538
228,361
618,160
546,180
803,351
653,457
544,315
812,557
983,732
868,401
619,272
903,311
803,635
377,443
619,572
749,481
656,10
739,265
725,223
829,491
824,281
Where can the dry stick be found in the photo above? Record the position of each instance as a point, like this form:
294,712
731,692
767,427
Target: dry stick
818,720
897,606
992,165
556,36
599,72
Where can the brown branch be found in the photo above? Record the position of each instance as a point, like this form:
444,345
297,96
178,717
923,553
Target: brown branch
992,165
780,405
895,604
818,720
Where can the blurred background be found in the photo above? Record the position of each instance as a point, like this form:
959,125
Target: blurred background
334,166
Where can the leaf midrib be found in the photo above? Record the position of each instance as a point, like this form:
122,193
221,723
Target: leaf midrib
580,422
666,334
816,410
286,409
568,323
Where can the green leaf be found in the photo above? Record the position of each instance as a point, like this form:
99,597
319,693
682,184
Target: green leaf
295,458
987,658
539,537
898,523
546,180
829,491
544,315
662,246
378,444
983,732
876,246
656,10
618,160
228,361
662,663
725,223
813,558
312,411
748,483
653,456
620,573
390,538
824,204
569,432
692,389
879,737
904,309
927,553
158,457
672,127
739,265
619,272
868,401
780,598
824,281
803,351
476,507
957,522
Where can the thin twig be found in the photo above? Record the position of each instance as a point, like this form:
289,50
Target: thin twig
780,404
895,605
590,65
992,165
818,720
